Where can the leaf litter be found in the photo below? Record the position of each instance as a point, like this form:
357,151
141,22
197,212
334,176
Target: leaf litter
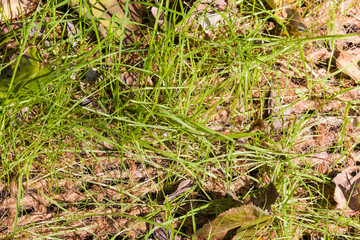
347,191
95,183
244,217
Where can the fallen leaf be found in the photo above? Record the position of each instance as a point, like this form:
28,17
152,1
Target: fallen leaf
258,124
10,9
118,17
270,196
220,5
279,3
288,12
348,64
159,16
183,187
92,75
245,217
347,190
250,233
210,20
164,234
275,107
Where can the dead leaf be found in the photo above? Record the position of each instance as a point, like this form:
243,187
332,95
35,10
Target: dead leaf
278,3
183,187
164,234
275,107
250,233
258,124
220,5
270,196
10,9
347,190
232,194
267,198
288,12
111,16
244,216
348,64
295,20
160,16
209,21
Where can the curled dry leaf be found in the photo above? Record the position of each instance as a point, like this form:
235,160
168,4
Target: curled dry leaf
348,64
183,187
268,198
245,217
164,234
347,190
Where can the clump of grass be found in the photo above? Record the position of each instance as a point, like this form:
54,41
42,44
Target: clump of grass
98,158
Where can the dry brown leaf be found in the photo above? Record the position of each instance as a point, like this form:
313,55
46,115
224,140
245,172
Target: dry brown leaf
347,190
258,124
270,196
10,9
243,216
130,78
348,64
163,234
220,5
183,187
295,20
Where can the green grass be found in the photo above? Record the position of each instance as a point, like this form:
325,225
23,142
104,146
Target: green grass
105,169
